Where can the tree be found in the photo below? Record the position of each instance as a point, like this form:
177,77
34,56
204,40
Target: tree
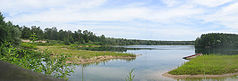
26,32
9,32
33,37
37,31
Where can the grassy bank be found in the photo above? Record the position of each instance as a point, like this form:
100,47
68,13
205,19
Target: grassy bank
85,56
208,65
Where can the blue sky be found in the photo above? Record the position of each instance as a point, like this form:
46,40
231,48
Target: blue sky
132,19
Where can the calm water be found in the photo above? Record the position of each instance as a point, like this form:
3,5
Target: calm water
148,67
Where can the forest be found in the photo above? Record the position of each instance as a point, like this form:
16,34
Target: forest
217,43
10,32
217,40
83,37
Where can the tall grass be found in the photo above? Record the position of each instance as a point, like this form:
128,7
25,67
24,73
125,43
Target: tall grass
208,65
130,76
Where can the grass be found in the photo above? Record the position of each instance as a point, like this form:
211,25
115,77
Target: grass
130,76
208,65
82,54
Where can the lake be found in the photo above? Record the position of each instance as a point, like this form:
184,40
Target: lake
150,66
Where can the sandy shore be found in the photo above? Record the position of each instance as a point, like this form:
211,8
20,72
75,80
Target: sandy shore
198,76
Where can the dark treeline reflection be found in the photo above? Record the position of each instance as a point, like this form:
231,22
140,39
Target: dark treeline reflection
227,51
111,48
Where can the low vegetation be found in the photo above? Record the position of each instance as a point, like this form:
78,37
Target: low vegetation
208,65
130,76
78,56
41,62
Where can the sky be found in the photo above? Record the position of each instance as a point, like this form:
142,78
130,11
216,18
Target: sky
131,19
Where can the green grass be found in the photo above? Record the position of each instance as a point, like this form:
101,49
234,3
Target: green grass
209,65
82,54
28,45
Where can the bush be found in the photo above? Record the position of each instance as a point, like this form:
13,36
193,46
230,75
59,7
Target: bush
28,45
36,61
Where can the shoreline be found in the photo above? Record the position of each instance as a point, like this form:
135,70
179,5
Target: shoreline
216,66
100,59
198,76
78,56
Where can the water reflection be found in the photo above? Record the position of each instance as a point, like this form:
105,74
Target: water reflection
154,61
111,48
85,75
227,51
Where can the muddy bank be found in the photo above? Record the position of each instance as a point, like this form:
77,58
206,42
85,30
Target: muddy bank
11,72
198,76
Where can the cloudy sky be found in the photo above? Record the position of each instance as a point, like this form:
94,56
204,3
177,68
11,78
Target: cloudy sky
132,19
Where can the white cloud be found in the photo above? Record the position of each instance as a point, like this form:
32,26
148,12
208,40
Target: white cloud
15,7
177,13
68,15
227,16
210,3
170,3
112,14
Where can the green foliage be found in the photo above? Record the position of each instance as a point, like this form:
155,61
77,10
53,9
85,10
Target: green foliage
33,37
86,37
28,46
26,32
9,32
216,42
36,61
209,65
130,76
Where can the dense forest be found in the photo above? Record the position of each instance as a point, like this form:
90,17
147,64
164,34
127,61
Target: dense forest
217,40
10,32
217,43
82,37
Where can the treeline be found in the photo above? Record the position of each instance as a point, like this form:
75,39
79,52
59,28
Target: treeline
9,32
217,43
84,37
117,41
13,33
67,36
217,40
